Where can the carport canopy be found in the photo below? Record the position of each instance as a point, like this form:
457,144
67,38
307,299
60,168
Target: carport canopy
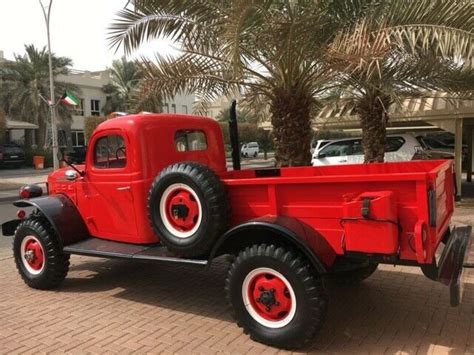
13,124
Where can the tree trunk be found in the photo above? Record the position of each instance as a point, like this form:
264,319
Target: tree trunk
40,134
372,110
291,119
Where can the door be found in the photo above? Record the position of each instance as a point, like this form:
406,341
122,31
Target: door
397,149
110,193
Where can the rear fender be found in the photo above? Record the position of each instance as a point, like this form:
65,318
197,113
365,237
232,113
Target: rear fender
281,231
62,214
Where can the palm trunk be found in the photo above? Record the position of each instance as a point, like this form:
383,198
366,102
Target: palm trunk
372,110
291,120
41,133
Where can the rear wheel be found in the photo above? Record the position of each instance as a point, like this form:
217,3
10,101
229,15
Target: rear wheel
38,254
275,297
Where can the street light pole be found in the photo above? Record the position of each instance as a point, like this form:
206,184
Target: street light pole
52,103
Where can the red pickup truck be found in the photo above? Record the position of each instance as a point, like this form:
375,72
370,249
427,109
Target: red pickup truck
157,188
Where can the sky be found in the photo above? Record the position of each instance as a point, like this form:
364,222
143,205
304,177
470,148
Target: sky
78,31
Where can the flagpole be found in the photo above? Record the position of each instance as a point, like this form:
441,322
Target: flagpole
52,105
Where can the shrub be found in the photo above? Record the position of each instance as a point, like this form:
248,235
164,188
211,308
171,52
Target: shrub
3,127
30,152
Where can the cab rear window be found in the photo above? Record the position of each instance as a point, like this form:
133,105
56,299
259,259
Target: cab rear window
190,140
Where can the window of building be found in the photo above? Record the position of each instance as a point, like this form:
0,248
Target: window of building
95,107
165,108
79,109
173,108
110,152
184,108
78,139
190,140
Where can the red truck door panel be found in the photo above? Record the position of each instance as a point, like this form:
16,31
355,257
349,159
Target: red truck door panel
110,194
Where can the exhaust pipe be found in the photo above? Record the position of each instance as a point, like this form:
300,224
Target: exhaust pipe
234,136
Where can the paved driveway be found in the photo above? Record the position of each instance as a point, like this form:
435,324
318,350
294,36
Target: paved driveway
117,306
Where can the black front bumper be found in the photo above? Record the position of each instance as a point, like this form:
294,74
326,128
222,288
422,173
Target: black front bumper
452,262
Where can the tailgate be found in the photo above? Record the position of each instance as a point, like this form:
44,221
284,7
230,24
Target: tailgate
441,200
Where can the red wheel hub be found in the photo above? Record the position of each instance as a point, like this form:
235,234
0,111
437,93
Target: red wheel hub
182,210
270,297
34,254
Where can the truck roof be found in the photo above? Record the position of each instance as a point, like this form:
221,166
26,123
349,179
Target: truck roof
140,121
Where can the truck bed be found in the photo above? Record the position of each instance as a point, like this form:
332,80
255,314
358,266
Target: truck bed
317,196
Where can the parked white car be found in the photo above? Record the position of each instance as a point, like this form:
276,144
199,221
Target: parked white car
249,150
400,147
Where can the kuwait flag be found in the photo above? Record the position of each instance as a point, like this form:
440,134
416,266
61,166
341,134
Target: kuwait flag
69,99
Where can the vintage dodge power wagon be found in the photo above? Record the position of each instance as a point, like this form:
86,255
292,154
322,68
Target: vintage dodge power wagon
156,188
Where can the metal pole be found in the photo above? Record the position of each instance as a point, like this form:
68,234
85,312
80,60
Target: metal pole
458,157
52,104
234,136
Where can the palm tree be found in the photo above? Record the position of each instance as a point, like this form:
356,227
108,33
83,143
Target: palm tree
270,50
289,54
125,77
24,85
401,49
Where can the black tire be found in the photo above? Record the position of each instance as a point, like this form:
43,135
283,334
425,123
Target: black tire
310,297
255,154
55,265
209,194
354,276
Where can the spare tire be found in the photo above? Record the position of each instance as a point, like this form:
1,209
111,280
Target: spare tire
187,208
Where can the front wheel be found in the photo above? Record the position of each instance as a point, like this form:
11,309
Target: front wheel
275,296
38,255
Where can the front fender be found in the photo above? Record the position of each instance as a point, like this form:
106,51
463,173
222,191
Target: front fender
62,214
279,229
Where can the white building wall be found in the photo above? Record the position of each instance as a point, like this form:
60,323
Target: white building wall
179,104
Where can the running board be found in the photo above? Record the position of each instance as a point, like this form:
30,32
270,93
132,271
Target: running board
109,249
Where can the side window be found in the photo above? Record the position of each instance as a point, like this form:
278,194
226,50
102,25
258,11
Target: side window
110,152
190,140
357,148
336,149
393,144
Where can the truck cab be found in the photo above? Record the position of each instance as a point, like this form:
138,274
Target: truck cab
125,155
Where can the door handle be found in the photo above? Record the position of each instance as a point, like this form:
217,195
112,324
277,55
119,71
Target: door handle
342,161
124,188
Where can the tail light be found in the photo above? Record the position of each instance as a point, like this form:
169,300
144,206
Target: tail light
30,191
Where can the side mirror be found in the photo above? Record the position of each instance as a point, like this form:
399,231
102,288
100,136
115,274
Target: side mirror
321,155
71,175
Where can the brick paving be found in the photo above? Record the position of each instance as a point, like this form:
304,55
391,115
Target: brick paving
114,306
117,306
